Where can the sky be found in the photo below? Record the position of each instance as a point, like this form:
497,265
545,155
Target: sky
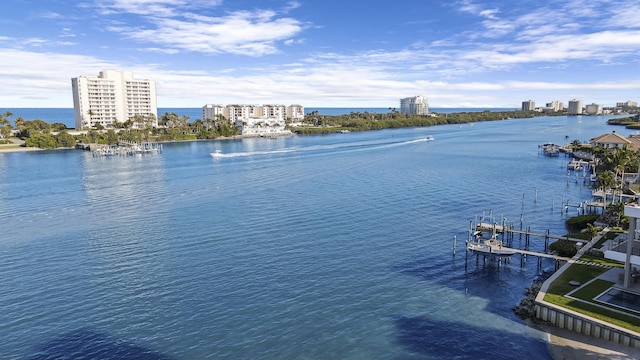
326,53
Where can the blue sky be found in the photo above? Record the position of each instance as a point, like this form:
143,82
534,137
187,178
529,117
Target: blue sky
326,53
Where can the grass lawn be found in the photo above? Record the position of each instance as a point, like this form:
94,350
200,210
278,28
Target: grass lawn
602,261
582,302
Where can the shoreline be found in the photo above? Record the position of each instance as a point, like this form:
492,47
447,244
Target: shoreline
12,148
564,344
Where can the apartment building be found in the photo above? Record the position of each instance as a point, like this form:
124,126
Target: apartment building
528,105
575,107
555,106
593,109
112,97
295,112
417,105
627,103
255,119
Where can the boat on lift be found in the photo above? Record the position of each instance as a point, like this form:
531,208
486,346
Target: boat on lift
488,246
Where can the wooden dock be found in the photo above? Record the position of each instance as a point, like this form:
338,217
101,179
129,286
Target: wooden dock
482,226
507,233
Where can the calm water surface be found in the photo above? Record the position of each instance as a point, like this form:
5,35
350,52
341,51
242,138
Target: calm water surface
302,247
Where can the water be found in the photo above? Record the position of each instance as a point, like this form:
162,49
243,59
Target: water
332,246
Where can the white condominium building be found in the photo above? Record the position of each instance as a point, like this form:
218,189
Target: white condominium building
627,103
575,107
416,105
529,105
233,112
593,109
211,111
295,112
112,97
555,106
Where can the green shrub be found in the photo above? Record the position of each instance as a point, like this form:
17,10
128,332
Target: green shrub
577,223
565,248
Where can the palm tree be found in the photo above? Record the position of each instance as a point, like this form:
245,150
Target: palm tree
607,181
592,230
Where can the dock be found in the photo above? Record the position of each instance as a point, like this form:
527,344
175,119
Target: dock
124,148
507,233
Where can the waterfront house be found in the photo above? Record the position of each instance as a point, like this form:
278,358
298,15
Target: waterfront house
614,140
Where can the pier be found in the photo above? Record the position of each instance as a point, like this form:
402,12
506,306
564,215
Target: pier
126,148
502,239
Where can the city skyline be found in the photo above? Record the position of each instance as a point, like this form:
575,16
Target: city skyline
326,54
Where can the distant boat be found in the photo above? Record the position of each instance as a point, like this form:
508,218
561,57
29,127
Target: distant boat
429,138
343,131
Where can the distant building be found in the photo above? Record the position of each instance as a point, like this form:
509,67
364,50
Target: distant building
555,106
627,104
255,119
112,97
575,107
211,111
416,105
529,105
295,112
593,109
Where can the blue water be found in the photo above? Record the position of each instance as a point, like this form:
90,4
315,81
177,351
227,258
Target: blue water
65,115
314,247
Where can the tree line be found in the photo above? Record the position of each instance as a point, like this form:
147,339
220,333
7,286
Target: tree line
314,123
171,127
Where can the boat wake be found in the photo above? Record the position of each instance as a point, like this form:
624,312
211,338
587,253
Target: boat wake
355,146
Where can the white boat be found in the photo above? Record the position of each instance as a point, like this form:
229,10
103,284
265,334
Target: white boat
429,138
488,246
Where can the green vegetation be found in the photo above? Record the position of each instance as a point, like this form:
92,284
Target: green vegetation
631,122
584,273
38,133
565,248
356,121
580,222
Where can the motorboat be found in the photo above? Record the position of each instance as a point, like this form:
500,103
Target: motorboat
490,246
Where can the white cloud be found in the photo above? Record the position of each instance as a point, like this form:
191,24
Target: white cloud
254,33
458,69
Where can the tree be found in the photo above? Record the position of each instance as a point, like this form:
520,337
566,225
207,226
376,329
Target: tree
576,145
64,139
112,137
43,141
607,181
565,248
592,230
5,125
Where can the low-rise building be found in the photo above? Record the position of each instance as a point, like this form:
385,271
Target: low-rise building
255,119
615,140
